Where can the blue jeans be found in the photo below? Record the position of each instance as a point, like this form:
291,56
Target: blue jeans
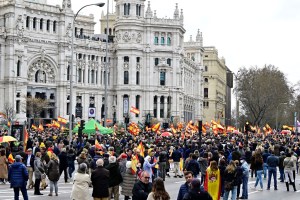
272,171
281,171
71,169
233,194
265,167
23,190
245,187
259,178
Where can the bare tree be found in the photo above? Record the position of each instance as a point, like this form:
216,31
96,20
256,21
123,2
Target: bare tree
261,91
9,111
35,106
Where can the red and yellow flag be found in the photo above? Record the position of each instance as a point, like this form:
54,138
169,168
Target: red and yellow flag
212,183
62,120
142,149
11,158
41,128
155,128
97,145
134,110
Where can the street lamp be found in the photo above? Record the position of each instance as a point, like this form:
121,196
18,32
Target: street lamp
105,69
284,103
236,99
72,66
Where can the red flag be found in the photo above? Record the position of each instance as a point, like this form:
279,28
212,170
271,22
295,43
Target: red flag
97,145
134,110
25,138
62,120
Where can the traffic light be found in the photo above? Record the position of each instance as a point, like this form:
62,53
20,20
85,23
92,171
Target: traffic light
82,124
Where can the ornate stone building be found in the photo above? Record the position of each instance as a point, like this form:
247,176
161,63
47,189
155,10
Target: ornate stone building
149,64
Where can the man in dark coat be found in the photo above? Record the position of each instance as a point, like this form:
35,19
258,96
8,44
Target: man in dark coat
176,155
142,188
100,179
28,162
63,164
18,177
115,178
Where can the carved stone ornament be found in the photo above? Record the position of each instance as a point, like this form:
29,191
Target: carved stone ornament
43,53
41,71
139,38
20,28
66,4
126,36
68,31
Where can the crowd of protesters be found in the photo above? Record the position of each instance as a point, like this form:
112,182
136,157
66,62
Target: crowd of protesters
213,166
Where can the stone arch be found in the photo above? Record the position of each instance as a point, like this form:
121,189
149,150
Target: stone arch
42,70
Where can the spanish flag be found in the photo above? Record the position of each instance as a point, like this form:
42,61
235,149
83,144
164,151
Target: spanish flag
11,158
26,138
62,120
142,149
134,162
33,127
134,110
8,123
97,145
155,128
41,128
212,183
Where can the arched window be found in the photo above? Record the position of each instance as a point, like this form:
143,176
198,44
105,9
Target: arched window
162,40
126,59
27,21
54,26
127,9
34,23
206,80
92,76
110,33
48,25
68,73
126,77
205,92
79,75
156,60
156,40
162,99
169,61
18,68
41,23
81,33
105,31
169,41
137,77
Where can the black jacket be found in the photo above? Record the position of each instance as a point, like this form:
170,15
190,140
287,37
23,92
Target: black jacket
141,190
176,155
115,174
100,179
196,194
63,160
31,161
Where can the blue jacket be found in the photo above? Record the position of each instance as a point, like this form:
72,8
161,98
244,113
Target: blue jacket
184,189
17,175
176,155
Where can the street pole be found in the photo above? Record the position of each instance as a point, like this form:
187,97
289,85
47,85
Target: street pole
72,70
105,69
284,103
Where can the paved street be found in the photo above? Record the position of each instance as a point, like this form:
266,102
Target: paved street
172,186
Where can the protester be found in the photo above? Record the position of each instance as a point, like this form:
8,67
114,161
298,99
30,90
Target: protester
29,163
3,166
212,183
176,156
115,177
230,182
45,158
129,179
18,177
163,157
100,179
288,171
63,164
158,191
272,162
148,167
142,187
196,193
39,171
71,162
81,182
53,173
245,168
258,167
184,188
193,166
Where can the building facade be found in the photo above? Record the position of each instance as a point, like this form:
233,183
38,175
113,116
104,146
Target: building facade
215,91
148,66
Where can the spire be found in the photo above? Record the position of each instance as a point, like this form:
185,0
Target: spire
66,4
198,36
155,14
176,12
149,13
191,38
181,14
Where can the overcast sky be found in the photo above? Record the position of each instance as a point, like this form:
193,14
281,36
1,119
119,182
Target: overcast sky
245,32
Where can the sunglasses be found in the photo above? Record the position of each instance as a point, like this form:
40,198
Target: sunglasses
147,177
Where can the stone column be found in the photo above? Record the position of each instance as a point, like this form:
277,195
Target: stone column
158,107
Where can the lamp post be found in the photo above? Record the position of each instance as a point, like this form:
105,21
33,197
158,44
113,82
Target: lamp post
284,103
236,99
105,69
72,66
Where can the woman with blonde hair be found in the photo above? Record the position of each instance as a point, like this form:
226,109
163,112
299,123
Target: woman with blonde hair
158,191
230,181
53,173
212,183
